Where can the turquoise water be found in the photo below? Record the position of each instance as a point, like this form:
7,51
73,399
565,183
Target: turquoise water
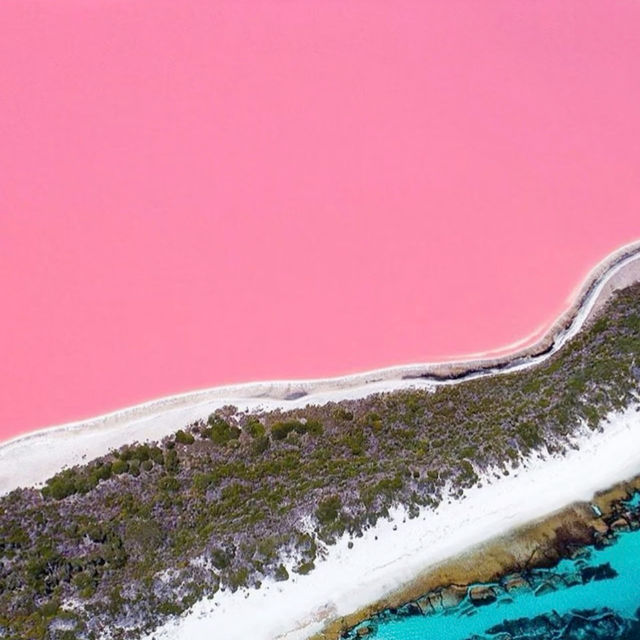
634,503
619,592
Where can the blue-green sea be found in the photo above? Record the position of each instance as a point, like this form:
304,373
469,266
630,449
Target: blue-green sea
605,605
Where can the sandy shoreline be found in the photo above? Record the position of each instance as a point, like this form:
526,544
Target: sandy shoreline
537,544
33,457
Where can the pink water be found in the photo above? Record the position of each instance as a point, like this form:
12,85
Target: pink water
196,192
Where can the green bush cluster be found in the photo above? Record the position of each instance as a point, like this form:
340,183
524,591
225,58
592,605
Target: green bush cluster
220,431
328,510
132,460
280,430
183,437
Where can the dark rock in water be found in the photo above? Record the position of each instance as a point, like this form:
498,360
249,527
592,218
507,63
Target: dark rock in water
424,604
482,594
515,582
594,624
527,627
452,596
601,572
409,609
620,524
367,630
544,588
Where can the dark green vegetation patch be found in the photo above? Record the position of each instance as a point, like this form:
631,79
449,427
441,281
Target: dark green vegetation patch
146,531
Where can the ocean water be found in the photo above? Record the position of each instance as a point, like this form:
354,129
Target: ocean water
604,606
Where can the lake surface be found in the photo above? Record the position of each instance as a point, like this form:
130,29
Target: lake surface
605,607
199,193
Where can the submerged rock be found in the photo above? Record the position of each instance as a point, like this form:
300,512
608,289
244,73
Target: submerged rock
601,572
367,630
620,525
452,596
544,588
482,594
515,582
595,624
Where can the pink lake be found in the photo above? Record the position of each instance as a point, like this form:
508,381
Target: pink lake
195,193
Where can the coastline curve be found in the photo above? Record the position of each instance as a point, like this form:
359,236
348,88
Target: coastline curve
32,457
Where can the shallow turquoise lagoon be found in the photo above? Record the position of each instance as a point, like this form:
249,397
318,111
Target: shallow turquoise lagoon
577,610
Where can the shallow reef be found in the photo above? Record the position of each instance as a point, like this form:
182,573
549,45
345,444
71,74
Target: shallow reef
604,574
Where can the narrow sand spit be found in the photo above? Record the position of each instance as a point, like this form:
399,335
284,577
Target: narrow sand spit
395,551
30,459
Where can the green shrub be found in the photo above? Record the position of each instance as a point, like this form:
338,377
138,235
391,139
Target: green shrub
155,454
119,466
304,568
255,428
281,573
261,444
139,452
529,434
220,431
50,608
83,582
280,430
220,558
238,578
168,483
182,437
134,467
342,414
171,463
62,485
328,510
202,481
168,608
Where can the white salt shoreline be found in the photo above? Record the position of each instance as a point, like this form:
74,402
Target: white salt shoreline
31,458
384,560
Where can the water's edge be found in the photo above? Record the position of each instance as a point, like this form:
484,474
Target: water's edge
533,561
619,269
33,457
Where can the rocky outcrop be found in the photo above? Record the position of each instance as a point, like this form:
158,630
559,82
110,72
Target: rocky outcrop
481,595
515,582
602,624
